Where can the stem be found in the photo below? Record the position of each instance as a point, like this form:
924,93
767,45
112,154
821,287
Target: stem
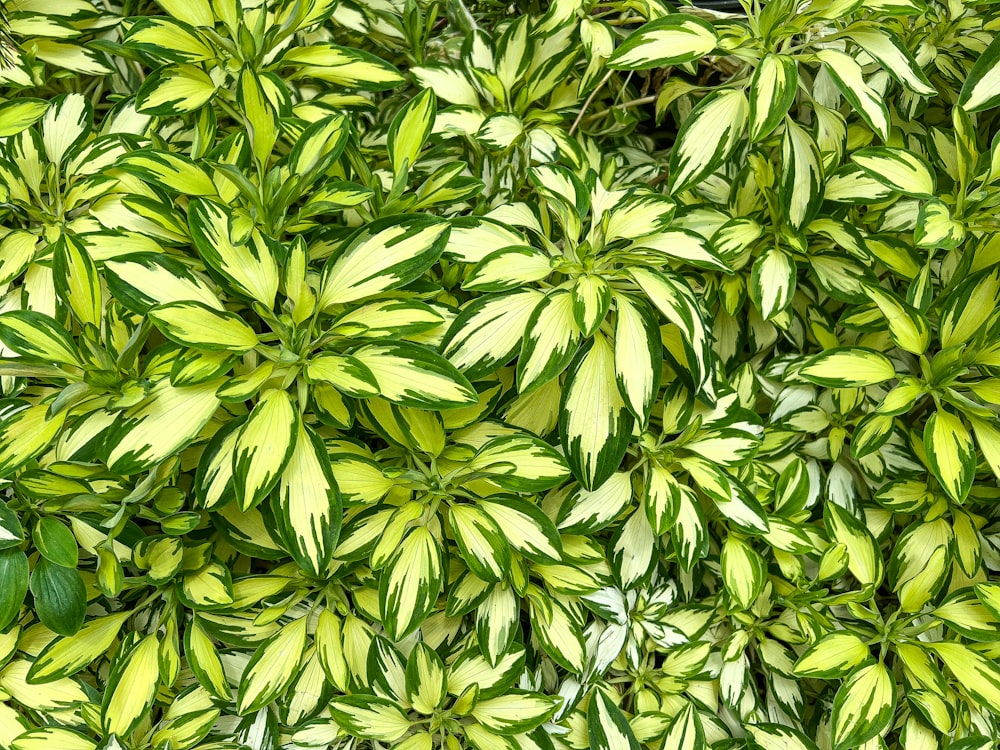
624,105
590,98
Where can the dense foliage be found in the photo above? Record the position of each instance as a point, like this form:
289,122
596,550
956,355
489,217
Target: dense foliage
408,374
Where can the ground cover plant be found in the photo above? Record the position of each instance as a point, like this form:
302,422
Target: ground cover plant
542,375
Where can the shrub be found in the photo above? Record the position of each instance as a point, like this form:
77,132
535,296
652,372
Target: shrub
403,374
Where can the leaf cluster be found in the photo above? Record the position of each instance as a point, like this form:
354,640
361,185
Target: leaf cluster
429,375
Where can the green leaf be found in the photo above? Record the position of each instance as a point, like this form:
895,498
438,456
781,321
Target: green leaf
60,597
559,633
681,245
14,573
55,542
206,588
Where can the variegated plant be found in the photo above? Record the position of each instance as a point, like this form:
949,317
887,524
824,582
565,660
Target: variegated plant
545,375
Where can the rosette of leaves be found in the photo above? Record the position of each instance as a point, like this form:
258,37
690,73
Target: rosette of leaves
435,376
586,303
